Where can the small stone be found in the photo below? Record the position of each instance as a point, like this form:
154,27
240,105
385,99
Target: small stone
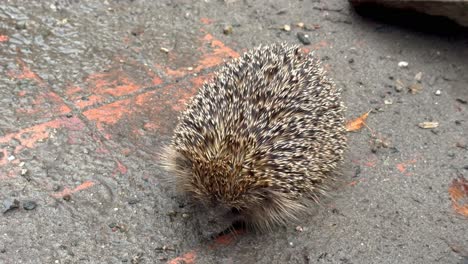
24,172
287,28
21,25
427,125
351,60
11,158
184,215
164,50
461,145
227,30
415,88
403,64
299,229
388,102
10,204
29,205
189,68
438,92
21,164
133,201
291,244
461,101
67,197
418,76
69,115
304,38
300,24
399,85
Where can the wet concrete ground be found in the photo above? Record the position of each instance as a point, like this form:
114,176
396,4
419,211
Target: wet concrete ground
88,97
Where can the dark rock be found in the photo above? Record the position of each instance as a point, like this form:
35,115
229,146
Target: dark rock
10,204
29,205
303,38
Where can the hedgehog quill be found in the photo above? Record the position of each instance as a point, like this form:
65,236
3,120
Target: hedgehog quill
263,138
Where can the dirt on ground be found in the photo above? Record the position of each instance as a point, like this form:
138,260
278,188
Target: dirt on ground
90,92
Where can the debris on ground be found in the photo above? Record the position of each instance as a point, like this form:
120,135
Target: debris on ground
10,204
458,191
415,88
358,123
403,64
303,38
29,205
428,125
227,30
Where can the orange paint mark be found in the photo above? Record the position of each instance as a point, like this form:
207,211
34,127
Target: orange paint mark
187,258
115,82
109,114
206,20
214,55
217,56
29,137
25,73
85,185
320,45
458,191
4,38
402,166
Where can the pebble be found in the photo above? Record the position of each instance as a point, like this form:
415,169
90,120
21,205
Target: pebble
399,85
438,92
11,158
428,125
164,50
287,28
388,102
29,205
227,30
403,64
10,204
418,76
24,171
304,38
300,24
299,229
415,88
351,60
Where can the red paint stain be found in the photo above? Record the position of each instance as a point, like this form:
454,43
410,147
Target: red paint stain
29,137
458,191
206,20
120,168
403,166
320,45
214,52
187,258
85,185
109,114
25,73
115,82
4,38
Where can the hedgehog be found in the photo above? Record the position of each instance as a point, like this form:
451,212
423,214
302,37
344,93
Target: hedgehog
263,138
